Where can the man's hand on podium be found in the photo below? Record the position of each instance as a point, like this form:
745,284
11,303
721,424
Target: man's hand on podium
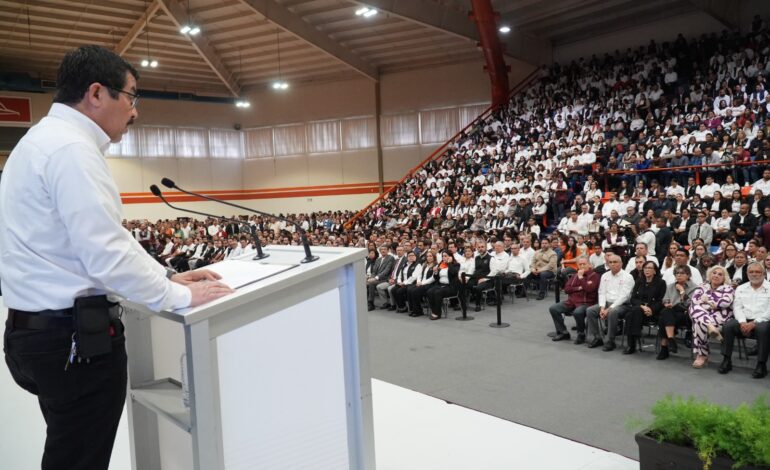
203,285
189,277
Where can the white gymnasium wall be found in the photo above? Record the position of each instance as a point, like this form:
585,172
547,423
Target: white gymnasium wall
690,24
402,92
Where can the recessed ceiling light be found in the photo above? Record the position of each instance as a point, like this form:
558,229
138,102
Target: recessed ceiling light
505,29
195,30
145,63
366,12
185,29
242,104
153,63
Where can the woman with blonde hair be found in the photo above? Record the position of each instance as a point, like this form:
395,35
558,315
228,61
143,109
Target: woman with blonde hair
711,306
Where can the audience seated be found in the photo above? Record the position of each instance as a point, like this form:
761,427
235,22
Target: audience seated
554,175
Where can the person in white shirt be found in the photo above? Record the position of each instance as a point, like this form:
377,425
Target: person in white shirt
615,289
574,226
762,184
498,264
235,251
56,181
646,235
751,320
707,190
597,259
681,258
406,277
526,249
721,225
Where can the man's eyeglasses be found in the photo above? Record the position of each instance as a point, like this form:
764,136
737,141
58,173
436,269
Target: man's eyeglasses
134,97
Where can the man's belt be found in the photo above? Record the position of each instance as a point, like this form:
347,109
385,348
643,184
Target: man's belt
42,320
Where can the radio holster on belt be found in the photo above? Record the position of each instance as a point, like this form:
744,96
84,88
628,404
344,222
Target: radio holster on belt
91,316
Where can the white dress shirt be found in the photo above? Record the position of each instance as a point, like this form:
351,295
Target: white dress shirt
498,263
615,289
751,304
60,223
762,185
519,265
467,266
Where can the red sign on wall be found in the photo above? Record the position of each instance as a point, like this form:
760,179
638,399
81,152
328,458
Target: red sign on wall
14,110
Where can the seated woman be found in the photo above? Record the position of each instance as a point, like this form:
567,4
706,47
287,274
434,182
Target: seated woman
405,278
447,283
646,301
710,307
569,256
417,291
676,301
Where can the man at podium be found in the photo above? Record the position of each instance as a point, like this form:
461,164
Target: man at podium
64,249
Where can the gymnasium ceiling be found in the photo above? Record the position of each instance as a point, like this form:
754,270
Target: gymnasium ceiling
238,47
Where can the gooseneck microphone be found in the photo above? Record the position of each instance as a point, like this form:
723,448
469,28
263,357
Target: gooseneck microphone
309,258
155,190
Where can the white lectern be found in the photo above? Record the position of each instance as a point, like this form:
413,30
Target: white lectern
277,372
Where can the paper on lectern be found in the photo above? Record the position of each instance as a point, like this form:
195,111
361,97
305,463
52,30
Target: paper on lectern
238,273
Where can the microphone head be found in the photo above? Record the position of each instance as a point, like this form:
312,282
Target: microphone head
167,183
155,190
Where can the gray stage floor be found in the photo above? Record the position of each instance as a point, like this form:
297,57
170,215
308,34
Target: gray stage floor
520,375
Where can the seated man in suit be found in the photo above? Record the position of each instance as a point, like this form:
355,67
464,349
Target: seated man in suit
744,224
380,271
480,271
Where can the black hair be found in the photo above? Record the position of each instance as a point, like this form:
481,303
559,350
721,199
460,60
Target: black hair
82,67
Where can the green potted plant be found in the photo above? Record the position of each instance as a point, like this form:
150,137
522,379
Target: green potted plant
694,434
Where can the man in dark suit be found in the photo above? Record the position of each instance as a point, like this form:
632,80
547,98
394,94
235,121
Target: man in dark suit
481,270
380,271
662,239
743,224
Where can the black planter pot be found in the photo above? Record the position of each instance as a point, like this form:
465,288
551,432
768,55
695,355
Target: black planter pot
654,455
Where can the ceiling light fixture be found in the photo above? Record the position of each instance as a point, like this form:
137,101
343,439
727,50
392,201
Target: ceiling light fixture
505,29
242,104
366,12
190,27
148,61
279,84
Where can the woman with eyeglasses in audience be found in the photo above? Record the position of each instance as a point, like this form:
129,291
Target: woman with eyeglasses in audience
676,302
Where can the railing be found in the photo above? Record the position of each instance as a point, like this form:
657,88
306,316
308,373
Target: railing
440,151
695,168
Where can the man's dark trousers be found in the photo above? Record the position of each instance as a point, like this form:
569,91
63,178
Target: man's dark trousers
81,406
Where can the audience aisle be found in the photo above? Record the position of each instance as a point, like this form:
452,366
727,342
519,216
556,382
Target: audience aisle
520,375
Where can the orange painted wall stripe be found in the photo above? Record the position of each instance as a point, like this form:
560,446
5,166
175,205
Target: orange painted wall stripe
271,193
293,188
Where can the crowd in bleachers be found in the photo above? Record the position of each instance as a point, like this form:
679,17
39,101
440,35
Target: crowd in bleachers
636,181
